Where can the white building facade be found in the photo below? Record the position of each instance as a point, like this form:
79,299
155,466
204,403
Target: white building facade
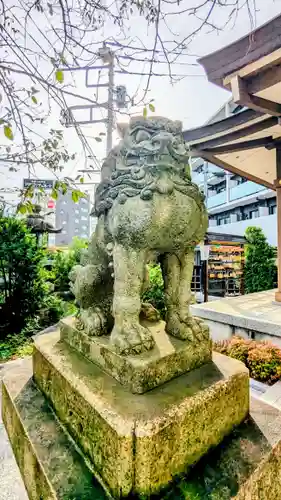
233,202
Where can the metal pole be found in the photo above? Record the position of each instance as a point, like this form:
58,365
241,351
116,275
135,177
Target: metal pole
205,173
110,111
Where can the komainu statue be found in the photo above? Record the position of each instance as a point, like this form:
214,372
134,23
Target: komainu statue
147,209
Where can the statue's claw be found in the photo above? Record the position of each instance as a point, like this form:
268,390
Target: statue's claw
187,327
131,339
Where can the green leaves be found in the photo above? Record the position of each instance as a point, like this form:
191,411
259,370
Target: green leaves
33,98
8,132
98,139
74,196
22,208
59,76
54,194
151,108
77,194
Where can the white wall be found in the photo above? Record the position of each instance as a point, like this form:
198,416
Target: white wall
268,224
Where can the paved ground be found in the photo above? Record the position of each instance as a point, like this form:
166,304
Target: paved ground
11,485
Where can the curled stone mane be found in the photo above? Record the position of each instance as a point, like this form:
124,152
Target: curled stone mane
149,151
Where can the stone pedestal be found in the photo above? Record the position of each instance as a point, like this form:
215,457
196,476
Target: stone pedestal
169,358
135,444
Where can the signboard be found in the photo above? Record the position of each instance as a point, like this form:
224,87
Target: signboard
39,183
51,204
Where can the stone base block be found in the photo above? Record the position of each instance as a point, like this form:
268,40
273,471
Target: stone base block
139,443
170,357
51,466
245,466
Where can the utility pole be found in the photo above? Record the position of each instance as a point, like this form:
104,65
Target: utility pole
116,96
107,56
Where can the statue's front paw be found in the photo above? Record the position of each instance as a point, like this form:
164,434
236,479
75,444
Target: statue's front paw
178,328
186,327
131,339
198,326
94,322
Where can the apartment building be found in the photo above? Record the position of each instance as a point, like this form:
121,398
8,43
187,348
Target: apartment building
73,217
233,202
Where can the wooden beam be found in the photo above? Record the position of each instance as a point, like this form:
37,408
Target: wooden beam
278,163
264,80
234,170
240,146
229,123
241,96
238,134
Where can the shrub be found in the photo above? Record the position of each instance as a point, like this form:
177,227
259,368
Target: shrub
154,293
261,358
264,363
22,285
63,262
260,267
52,310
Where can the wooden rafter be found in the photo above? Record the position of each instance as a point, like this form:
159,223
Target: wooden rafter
238,134
240,146
264,80
241,96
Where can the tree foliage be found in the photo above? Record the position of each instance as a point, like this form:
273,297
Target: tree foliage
42,40
63,261
260,266
22,286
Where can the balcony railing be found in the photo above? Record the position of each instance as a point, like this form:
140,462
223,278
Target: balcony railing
216,200
245,189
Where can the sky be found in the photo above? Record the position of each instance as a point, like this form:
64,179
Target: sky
192,99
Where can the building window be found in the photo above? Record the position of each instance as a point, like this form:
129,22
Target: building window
77,221
253,214
61,212
64,222
223,220
241,180
272,210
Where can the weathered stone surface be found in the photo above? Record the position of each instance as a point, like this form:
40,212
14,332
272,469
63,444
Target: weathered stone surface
169,358
49,462
245,466
148,209
139,443
254,313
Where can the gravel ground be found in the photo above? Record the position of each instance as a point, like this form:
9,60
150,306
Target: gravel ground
11,484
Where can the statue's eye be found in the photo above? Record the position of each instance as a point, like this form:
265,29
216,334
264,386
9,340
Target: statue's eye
142,135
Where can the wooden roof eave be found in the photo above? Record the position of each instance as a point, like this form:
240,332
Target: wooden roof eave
258,49
215,160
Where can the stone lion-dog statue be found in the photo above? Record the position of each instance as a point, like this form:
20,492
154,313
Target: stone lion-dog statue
147,209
